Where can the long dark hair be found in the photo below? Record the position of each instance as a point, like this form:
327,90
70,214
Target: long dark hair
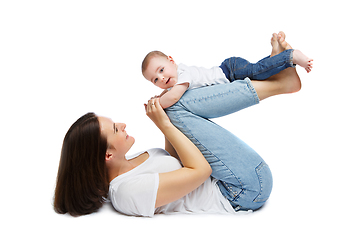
82,180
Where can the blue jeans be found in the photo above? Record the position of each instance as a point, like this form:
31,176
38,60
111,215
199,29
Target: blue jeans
243,176
237,68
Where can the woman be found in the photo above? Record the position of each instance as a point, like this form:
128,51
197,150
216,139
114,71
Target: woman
93,163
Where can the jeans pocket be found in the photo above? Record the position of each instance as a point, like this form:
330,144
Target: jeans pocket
266,182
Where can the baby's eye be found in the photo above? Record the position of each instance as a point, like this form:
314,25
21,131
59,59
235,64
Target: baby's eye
155,80
161,70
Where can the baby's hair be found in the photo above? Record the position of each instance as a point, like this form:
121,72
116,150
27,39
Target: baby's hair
148,57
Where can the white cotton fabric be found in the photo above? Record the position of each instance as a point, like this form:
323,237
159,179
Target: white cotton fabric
134,192
200,76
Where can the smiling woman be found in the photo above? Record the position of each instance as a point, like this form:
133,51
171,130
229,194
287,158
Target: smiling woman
116,135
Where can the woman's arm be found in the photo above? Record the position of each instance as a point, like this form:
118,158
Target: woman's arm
176,184
170,149
170,97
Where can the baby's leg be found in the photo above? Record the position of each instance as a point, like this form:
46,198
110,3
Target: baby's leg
270,66
300,59
237,68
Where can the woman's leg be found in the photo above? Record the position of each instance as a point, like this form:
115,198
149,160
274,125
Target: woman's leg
219,100
287,81
243,177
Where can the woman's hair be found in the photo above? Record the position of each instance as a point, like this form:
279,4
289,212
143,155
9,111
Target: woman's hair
82,180
150,56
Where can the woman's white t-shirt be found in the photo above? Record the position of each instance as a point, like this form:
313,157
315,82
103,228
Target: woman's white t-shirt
134,192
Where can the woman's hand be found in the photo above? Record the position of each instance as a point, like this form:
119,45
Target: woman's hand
156,113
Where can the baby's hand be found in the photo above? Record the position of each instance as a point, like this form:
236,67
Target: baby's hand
156,113
145,105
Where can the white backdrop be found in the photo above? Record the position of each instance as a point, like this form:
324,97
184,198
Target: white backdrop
62,59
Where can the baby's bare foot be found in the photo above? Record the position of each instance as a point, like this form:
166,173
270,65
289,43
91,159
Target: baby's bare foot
275,45
300,59
282,43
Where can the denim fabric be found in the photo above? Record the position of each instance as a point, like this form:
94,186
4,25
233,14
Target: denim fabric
236,68
243,176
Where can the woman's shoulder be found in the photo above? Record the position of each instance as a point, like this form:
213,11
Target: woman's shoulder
158,151
151,152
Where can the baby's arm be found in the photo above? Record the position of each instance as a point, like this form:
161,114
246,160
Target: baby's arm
165,91
173,95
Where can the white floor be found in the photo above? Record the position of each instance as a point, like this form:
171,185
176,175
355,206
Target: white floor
59,60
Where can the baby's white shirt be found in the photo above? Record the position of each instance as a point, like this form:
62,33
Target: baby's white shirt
200,76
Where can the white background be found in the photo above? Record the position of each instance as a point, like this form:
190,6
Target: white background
62,59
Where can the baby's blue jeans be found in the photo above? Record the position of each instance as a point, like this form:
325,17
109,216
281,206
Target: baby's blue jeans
243,176
236,68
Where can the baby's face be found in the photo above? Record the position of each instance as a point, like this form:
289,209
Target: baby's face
162,72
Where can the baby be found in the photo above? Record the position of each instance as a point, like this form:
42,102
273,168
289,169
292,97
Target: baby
176,79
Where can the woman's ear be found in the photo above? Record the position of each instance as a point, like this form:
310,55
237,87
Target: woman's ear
108,156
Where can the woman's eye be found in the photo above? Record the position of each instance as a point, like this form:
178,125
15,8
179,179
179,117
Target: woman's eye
116,129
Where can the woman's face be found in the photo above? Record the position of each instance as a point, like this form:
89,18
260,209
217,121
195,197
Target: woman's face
116,136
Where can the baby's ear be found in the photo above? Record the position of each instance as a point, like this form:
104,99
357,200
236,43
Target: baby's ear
171,59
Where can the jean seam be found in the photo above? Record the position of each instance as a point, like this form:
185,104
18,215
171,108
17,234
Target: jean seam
209,97
257,169
253,91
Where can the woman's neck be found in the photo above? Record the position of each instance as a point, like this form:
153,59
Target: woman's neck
122,166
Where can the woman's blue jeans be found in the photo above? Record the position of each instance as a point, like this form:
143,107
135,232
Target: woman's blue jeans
243,176
236,68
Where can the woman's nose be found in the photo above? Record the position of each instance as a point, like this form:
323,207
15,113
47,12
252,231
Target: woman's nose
122,126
